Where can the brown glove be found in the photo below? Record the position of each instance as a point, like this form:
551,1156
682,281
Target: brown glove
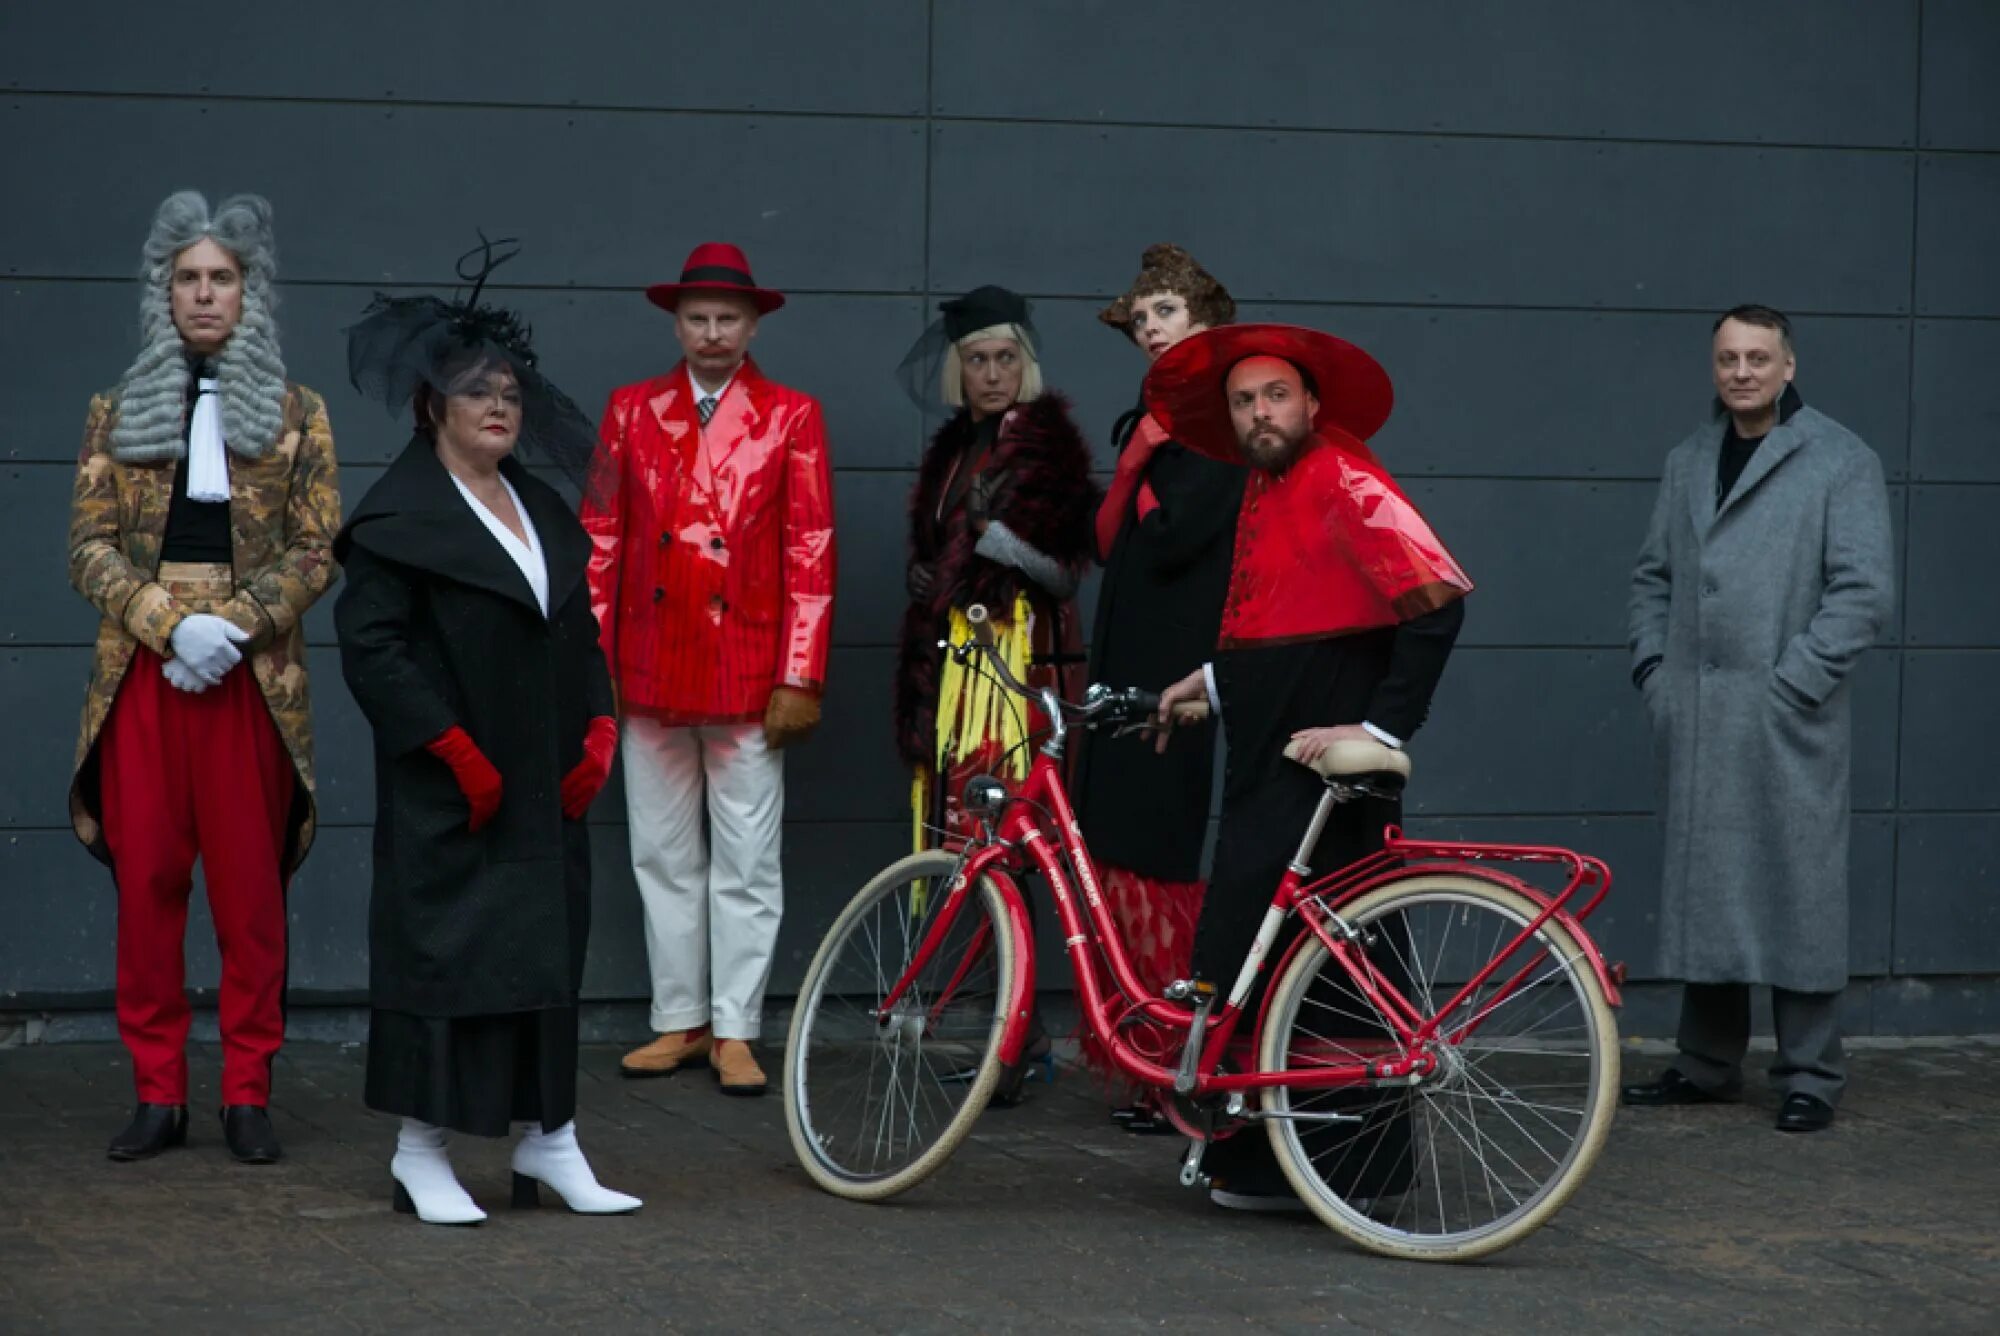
791,715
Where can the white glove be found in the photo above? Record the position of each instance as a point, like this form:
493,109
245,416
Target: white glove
207,644
183,677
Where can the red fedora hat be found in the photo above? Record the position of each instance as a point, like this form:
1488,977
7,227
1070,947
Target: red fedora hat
1185,388
715,266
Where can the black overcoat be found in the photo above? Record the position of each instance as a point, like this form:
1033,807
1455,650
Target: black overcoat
438,627
1384,677
1159,610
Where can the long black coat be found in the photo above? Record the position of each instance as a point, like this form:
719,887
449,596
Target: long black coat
1159,611
438,627
1383,677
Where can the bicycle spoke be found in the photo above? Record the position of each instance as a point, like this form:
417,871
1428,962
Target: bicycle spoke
875,1088
1473,1151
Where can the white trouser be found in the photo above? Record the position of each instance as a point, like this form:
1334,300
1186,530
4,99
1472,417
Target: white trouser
712,907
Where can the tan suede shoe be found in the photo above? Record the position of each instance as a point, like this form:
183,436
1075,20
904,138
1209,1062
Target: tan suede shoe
735,1069
666,1055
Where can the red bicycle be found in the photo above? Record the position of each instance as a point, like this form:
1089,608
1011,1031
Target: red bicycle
1436,1063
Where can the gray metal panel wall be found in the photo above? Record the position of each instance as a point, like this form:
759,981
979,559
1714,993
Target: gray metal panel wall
1529,212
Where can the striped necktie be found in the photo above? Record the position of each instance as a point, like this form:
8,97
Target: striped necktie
706,407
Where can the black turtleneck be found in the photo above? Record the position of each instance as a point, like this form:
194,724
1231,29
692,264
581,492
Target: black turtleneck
1737,451
1735,457
196,530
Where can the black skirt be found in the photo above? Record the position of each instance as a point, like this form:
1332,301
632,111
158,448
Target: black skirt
474,1074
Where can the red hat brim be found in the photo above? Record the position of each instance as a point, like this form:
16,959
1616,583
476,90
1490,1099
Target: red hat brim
667,296
1185,389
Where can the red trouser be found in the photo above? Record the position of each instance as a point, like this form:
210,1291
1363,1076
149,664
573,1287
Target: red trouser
186,775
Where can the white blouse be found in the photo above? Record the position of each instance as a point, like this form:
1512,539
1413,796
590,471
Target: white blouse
528,556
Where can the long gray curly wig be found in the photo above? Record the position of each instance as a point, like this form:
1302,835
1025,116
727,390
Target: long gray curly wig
250,374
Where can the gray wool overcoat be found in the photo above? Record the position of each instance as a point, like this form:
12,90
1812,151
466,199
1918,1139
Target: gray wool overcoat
1757,612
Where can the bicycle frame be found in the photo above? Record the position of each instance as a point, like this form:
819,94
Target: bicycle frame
1040,824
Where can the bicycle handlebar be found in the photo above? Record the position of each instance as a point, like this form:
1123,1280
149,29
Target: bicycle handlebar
1100,703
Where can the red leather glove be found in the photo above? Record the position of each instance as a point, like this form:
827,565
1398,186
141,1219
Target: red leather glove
477,779
585,780
1128,481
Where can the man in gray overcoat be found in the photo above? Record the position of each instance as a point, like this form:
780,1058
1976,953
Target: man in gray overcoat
1766,572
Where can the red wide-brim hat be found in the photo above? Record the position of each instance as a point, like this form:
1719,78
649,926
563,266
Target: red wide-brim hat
1185,390
715,266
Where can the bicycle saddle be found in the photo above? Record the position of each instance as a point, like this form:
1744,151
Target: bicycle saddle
1355,760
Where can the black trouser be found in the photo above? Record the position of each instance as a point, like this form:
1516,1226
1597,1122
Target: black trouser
1367,1160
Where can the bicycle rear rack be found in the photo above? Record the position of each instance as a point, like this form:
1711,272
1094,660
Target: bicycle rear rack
1399,853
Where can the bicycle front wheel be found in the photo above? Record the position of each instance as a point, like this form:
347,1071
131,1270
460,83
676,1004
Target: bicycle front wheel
1482,1152
876,1098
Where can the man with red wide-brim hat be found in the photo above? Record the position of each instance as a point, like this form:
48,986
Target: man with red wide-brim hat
1342,609
711,508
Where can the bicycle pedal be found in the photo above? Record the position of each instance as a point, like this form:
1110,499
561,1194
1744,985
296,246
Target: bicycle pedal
1046,1064
1191,1174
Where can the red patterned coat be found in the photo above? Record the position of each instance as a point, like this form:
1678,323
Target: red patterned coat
713,564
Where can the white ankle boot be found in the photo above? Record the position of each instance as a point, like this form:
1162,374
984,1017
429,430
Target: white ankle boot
554,1158
425,1184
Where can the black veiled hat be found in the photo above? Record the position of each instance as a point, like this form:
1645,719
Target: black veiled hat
982,308
404,342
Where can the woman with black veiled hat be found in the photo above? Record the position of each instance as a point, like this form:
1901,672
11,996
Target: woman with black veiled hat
1000,516
467,638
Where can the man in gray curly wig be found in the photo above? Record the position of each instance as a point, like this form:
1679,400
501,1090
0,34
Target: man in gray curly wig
201,529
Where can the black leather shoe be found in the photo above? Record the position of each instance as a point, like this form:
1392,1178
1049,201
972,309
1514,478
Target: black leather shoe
1805,1113
154,1128
1672,1088
252,1140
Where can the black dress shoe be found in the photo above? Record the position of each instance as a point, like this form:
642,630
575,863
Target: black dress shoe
252,1140
1805,1113
154,1128
1672,1088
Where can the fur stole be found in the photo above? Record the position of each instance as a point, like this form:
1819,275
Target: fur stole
1045,494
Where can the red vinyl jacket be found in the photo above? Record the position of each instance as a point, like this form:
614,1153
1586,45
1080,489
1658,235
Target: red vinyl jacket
712,575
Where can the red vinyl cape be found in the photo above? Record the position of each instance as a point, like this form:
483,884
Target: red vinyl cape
1331,547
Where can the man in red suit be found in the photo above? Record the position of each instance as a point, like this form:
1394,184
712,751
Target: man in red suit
711,508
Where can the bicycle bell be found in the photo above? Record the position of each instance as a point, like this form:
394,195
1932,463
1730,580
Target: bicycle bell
984,796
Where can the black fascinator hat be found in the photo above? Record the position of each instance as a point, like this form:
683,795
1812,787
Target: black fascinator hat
404,343
989,307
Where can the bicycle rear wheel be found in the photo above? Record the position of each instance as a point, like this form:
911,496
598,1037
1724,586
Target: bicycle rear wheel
876,1103
1479,1155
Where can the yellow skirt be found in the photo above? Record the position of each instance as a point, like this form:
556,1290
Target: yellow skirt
982,727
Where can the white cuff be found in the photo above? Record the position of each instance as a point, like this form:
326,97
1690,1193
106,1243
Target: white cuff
1383,736
1214,696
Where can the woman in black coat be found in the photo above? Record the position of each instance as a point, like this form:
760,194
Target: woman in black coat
467,638
1164,534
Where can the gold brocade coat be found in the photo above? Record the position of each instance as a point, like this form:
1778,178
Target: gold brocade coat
284,509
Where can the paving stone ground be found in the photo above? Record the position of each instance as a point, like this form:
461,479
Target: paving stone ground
1049,1219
